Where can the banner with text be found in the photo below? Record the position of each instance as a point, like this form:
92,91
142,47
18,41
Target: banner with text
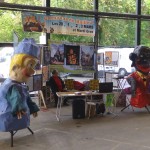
58,24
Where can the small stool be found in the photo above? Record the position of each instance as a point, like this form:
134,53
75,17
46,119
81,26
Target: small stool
91,109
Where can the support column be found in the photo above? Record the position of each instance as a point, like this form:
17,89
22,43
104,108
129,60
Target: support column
138,24
96,38
47,13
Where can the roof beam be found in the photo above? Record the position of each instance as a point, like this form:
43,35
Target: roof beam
19,7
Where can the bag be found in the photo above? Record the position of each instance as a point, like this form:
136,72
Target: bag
100,108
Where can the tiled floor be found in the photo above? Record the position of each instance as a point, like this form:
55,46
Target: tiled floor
127,131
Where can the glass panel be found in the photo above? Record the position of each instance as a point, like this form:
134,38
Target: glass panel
11,21
73,4
145,33
145,7
26,2
5,58
117,32
118,6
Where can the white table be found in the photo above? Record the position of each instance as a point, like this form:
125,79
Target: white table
61,95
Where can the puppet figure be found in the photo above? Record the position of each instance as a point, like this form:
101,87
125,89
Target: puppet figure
140,79
15,102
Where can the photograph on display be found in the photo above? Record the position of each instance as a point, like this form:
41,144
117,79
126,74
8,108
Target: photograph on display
33,22
30,84
72,54
38,65
37,82
57,54
45,72
111,58
87,55
46,55
100,58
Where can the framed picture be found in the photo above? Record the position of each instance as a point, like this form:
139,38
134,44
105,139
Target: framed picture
100,58
38,65
111,58
72,54
87,55
45,72
37,82
30,84
46,55
57,54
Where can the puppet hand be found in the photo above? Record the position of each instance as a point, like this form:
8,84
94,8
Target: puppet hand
20,113
35,114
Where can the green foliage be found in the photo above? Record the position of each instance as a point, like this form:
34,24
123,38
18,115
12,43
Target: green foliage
73,4
116,32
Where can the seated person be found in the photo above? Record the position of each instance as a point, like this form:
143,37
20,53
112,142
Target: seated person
57,85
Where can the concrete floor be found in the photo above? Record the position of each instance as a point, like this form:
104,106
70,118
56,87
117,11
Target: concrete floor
127,131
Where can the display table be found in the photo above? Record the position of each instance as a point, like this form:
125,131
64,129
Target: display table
86,94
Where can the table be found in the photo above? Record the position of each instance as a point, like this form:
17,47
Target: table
73,94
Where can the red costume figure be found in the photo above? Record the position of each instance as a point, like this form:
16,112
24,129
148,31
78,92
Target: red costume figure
140,79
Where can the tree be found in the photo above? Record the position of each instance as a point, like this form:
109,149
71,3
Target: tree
112,32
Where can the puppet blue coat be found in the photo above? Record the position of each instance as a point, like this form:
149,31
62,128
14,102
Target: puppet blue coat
14,97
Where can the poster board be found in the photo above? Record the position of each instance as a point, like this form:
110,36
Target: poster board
111,58
30,84
72,54
37,82
87,55
57,54
46,55
58,24
100,58
38,65
45,72
79,66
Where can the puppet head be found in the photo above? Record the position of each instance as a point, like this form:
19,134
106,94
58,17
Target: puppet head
24,60
141,59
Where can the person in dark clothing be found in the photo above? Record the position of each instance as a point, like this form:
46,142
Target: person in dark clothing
57,85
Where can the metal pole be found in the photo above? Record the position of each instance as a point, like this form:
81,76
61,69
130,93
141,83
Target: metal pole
47,13
138,23
96,38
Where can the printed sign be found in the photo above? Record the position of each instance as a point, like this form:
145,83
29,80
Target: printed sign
58,24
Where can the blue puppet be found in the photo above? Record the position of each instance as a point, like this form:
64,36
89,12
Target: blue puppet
15,102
